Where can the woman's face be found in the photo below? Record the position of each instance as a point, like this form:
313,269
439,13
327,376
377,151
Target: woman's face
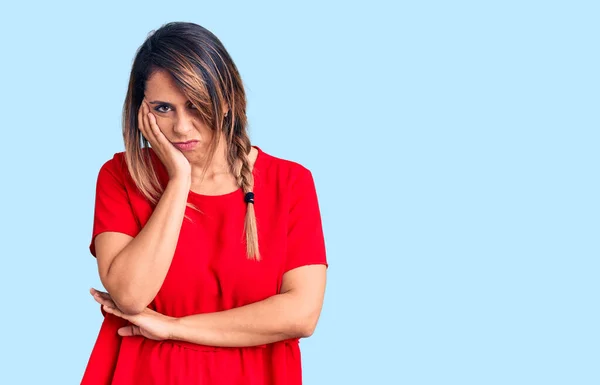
175,115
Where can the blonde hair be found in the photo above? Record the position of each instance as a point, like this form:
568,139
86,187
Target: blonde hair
206,74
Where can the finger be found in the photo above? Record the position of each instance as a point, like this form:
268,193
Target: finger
98,299
141,122
104,301
128,331
150,130
96,291
101,295
115,311
104,295
154,125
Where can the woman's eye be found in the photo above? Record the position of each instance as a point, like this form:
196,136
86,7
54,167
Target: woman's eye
161,106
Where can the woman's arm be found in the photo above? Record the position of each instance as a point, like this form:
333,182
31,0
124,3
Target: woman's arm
132,269
292,314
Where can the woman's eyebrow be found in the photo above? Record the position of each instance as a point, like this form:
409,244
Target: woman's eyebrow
161,102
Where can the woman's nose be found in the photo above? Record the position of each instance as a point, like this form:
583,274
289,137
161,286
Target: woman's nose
183,124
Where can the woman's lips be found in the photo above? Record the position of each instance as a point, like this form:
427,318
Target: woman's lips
186,146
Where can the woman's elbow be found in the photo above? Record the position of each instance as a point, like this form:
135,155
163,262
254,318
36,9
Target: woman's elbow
127,300
306,324
129,307
129,304
307,331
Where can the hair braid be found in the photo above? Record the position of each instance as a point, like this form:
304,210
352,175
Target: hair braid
240,160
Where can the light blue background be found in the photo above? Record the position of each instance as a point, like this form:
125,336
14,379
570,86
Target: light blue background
455,150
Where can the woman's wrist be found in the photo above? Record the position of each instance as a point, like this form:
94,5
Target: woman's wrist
183,182
175,329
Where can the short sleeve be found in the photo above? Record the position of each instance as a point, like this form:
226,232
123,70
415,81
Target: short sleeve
112,209
305,239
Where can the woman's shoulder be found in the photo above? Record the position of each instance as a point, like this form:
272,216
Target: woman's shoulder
281,166
113,165
285,177
117,163
116,166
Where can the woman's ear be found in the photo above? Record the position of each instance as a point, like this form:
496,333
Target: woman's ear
226,109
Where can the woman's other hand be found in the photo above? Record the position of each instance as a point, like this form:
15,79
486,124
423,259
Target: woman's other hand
148,323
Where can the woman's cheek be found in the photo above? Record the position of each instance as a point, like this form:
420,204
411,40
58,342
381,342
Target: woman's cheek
164,123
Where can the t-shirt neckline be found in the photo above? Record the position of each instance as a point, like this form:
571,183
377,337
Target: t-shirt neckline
257,163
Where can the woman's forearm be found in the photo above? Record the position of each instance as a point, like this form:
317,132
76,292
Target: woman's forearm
136,274
280,317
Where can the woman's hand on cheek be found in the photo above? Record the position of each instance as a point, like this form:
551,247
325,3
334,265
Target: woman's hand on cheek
148,323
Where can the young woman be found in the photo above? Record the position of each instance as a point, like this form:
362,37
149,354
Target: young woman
211,250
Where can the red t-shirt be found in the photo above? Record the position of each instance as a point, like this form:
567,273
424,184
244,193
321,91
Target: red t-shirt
210,272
